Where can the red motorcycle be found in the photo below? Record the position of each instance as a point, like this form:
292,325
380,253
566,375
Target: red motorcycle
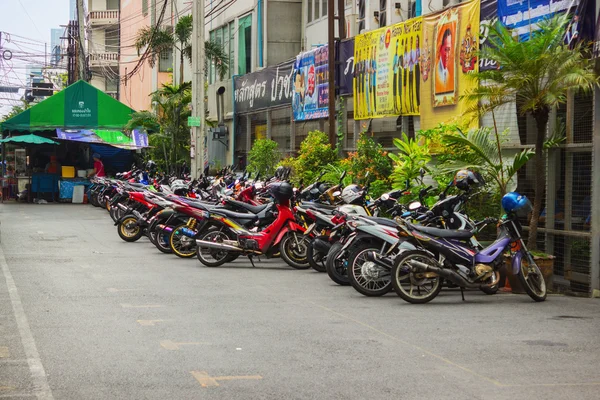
283,236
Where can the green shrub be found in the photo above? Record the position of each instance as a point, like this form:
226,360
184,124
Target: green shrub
314,155
263,157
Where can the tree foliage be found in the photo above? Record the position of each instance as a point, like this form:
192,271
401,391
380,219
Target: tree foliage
413,156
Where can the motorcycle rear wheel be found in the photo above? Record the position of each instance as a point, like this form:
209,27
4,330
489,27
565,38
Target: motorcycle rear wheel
161,241
214,257
336,269
180,244
405,280
293,248
364,274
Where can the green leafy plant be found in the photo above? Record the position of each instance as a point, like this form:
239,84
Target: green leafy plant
537,73
487,157
413,156
263,157
369,157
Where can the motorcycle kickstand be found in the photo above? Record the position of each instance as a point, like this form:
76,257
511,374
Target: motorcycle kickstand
251,261
462,293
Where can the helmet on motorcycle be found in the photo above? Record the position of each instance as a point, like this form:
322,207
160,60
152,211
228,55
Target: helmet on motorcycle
281,191
323,187
513,202
464,179
280,172
150,165
351,194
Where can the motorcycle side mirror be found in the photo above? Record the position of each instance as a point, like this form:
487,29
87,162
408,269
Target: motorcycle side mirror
415,205
422,173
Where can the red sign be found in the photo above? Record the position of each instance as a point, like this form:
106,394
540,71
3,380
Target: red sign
311,80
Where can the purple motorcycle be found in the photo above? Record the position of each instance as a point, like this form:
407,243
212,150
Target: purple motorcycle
447,254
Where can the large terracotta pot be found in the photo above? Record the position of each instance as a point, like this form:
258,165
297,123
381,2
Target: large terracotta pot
545,264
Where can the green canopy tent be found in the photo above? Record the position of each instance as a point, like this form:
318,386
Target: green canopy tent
79,106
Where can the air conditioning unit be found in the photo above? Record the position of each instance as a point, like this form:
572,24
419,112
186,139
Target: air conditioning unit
412,9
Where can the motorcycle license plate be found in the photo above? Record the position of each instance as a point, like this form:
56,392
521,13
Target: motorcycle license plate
310,229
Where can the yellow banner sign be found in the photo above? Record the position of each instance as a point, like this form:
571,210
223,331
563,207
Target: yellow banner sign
387,69
448,56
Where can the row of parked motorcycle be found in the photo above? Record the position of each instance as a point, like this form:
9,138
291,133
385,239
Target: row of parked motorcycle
374,245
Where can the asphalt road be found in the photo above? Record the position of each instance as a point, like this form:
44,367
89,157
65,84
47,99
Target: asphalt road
84,315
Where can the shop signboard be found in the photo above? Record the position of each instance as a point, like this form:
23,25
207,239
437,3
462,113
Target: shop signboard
268,88
387,69
311,85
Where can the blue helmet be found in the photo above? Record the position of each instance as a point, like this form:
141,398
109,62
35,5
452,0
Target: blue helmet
514,202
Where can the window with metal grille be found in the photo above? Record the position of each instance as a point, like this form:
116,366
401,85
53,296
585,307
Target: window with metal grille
165,63
112,4
361,15
324,8
111,40
412,9
309,11
317,8
111,84
223,36
382,13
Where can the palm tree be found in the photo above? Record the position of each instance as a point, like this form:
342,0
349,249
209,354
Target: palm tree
160,39
537,74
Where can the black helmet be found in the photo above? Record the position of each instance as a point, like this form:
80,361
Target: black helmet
150,165
280,172
281,191
465,179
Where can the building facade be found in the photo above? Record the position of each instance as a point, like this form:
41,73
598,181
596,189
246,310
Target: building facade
104,44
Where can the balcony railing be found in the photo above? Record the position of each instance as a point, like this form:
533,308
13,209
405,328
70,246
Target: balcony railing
103,17
107,59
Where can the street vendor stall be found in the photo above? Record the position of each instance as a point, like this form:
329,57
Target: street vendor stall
21,164
78,117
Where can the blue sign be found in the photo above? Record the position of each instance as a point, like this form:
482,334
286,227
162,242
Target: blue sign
311,85
524,15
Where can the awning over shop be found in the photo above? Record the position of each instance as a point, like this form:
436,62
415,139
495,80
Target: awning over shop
80,106
138,140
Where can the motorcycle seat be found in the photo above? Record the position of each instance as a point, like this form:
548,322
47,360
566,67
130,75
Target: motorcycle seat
382,221
322,208
243,218
137,185
443,233
249,207
199,206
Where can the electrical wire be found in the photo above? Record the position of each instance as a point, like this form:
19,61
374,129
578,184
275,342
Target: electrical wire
31,19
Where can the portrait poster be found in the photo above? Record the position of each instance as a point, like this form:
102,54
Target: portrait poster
448,58
311,85
387,70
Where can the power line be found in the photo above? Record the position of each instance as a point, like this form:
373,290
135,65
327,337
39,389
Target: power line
31,19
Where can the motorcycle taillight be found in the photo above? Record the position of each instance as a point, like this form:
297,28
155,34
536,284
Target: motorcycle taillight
338,219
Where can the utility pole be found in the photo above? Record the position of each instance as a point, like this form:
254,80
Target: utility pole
81,62
200,158
332,68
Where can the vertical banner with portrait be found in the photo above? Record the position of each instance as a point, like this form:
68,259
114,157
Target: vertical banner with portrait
448,57
387,70
311,85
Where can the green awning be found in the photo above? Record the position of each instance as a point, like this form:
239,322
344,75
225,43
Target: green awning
28,139
79,106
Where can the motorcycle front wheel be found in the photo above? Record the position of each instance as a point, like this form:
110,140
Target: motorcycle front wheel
315,258
532,280
367,277
336,269
413,286
293,248
129,230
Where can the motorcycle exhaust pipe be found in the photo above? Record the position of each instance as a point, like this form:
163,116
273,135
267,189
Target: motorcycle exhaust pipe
384,262
450,275
218,245
321,246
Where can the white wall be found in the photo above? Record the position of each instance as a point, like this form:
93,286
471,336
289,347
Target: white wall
96,5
